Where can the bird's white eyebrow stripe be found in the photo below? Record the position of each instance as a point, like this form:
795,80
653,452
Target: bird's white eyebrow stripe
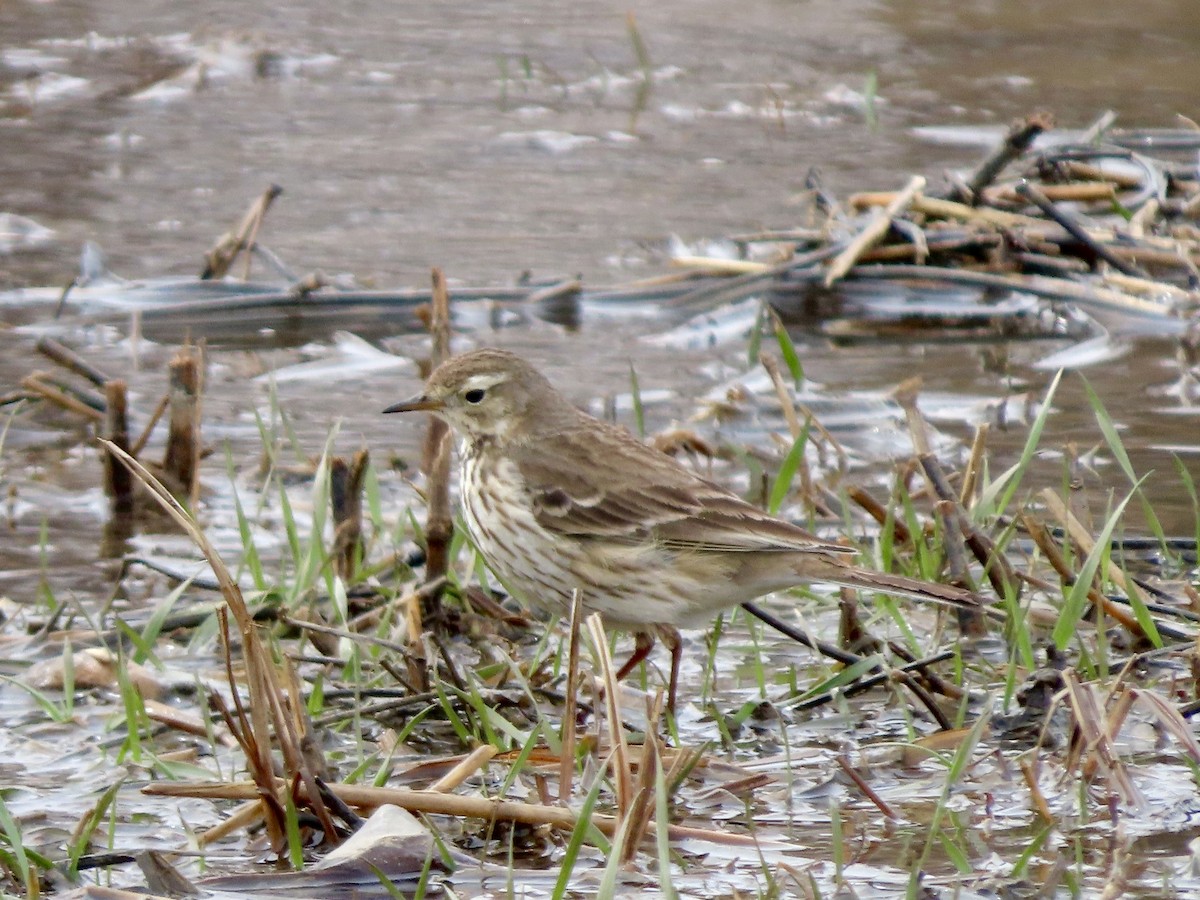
483,380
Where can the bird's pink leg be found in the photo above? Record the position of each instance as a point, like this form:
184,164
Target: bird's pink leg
641,649
673,641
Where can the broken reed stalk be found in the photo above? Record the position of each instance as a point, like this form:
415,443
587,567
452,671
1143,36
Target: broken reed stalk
345,500
1019,139
1092,747
144,438
641,810
900,536
69,359
874,232
1081,536
181,463
221,257
118,480
439,525
61,397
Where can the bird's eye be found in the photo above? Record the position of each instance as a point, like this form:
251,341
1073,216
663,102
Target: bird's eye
475,396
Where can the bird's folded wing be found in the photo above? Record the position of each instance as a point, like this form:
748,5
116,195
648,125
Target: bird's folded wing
610,485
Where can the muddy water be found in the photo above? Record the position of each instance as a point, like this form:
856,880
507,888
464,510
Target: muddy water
493,139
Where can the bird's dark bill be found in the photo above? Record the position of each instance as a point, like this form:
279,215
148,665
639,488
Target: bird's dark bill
416,404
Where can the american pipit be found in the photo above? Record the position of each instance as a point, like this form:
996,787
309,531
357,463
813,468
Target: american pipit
556,501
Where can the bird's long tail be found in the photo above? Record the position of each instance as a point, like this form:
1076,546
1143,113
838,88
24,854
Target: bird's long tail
900,586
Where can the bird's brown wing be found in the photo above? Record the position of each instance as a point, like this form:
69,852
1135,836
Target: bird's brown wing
604,483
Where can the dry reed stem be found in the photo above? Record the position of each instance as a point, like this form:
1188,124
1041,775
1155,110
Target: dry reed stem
874,232
844,764
1071,192
566,768
1081,536
345,500
612,702
245,815
1029,771
69,359
35,384
949,209
710,265
995,565
439,525
1094,750
795,428
183,721
266,707
1041,536
966,495
224,253
1037,197
118,480
144,438
641,809
1020,137
901,536
181,461
465,768
437,803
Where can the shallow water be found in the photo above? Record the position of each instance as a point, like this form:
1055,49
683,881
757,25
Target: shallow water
499,139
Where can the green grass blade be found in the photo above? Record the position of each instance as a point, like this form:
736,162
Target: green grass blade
787,349
639,412
1077,598
997,495
787,471
583,826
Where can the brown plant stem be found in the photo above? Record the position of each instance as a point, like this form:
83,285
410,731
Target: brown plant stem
118,480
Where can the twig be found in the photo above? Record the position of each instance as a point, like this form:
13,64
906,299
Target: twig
877,511
1019,139
69,359
60,397
803,638
1077,231
869,792
140,445
220,258
866,684
874,232
1045,542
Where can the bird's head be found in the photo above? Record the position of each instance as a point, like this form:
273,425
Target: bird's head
489,394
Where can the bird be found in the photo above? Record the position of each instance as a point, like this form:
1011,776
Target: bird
558,501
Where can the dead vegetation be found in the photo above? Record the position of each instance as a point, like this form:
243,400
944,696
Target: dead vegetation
1044,694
